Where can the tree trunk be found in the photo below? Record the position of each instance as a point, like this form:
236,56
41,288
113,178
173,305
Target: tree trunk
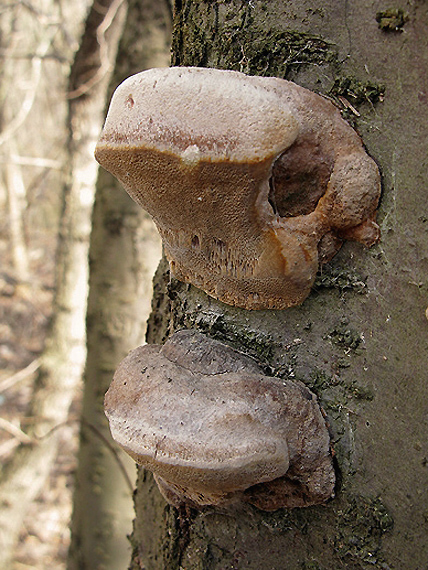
64,354
359,340
17,201
125,249
16,113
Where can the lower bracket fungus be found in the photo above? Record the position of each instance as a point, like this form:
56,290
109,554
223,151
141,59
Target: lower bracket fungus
253,182
215,430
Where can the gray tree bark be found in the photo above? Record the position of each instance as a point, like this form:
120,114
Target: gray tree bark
125,250
360,339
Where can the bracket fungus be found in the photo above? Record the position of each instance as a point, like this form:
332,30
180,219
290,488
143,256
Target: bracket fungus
215,430
253,182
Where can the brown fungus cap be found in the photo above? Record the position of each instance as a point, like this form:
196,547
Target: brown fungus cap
214,429
253,182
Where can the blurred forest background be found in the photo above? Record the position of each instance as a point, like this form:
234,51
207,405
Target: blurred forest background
65,489
60,61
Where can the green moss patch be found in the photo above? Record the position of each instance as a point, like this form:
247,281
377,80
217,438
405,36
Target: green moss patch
240,43
342,279
357,91
360,527
392,20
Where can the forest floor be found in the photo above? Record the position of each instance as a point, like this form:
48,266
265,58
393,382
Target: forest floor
24,316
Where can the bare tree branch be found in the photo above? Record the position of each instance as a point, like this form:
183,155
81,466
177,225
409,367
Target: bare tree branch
20,376
27,104
37,161
105,65
14,430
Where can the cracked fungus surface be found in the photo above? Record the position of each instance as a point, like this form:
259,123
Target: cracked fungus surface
215,430
253,182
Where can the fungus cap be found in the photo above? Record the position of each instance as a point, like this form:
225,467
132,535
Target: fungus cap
253,182
211,435
198,115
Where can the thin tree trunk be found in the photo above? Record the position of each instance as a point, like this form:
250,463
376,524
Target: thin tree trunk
360,339
63,357
16,201
125,249
12,120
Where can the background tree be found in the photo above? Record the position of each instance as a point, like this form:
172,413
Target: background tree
23,34
359,341
125,250
63,357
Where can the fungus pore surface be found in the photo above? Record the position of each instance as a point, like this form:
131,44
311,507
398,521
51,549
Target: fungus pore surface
253,182
214,430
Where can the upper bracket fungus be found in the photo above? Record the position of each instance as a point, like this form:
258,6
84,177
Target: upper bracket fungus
214,430
253,182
